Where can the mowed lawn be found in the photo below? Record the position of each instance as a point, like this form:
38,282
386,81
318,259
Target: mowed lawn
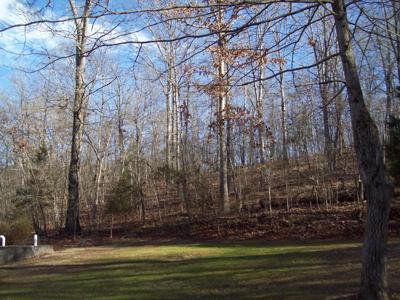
247,270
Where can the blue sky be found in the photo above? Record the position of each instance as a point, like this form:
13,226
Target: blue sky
38,38
21,40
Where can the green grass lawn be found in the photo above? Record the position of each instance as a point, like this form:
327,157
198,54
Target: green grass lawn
248,270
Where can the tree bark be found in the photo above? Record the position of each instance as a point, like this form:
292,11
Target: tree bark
260,115
283,115
369,153
321,49
222,122
338,142
177,118
388,75
169,94
72,224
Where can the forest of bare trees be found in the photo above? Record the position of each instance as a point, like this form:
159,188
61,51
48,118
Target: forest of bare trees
168,111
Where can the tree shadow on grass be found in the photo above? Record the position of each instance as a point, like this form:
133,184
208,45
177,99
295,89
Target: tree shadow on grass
304,275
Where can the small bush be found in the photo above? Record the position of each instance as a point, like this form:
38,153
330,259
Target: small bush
5,229
118,201
19,231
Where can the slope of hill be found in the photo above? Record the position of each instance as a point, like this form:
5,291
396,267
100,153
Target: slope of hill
304,202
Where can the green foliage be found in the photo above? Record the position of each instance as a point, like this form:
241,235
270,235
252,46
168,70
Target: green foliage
123,192
393,149
18,230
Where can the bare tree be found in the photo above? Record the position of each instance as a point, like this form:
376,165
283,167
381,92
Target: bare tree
222,113
369,153
72,224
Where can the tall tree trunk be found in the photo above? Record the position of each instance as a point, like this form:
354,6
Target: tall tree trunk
223,155
251,130
369,153
393,33
222,122
72,224
271,130
327,134
260,115
177,118
120,128
338,142
320,50
395,36
283,115
388,75
170,100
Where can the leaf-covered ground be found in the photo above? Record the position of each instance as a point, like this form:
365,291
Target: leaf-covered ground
246,270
